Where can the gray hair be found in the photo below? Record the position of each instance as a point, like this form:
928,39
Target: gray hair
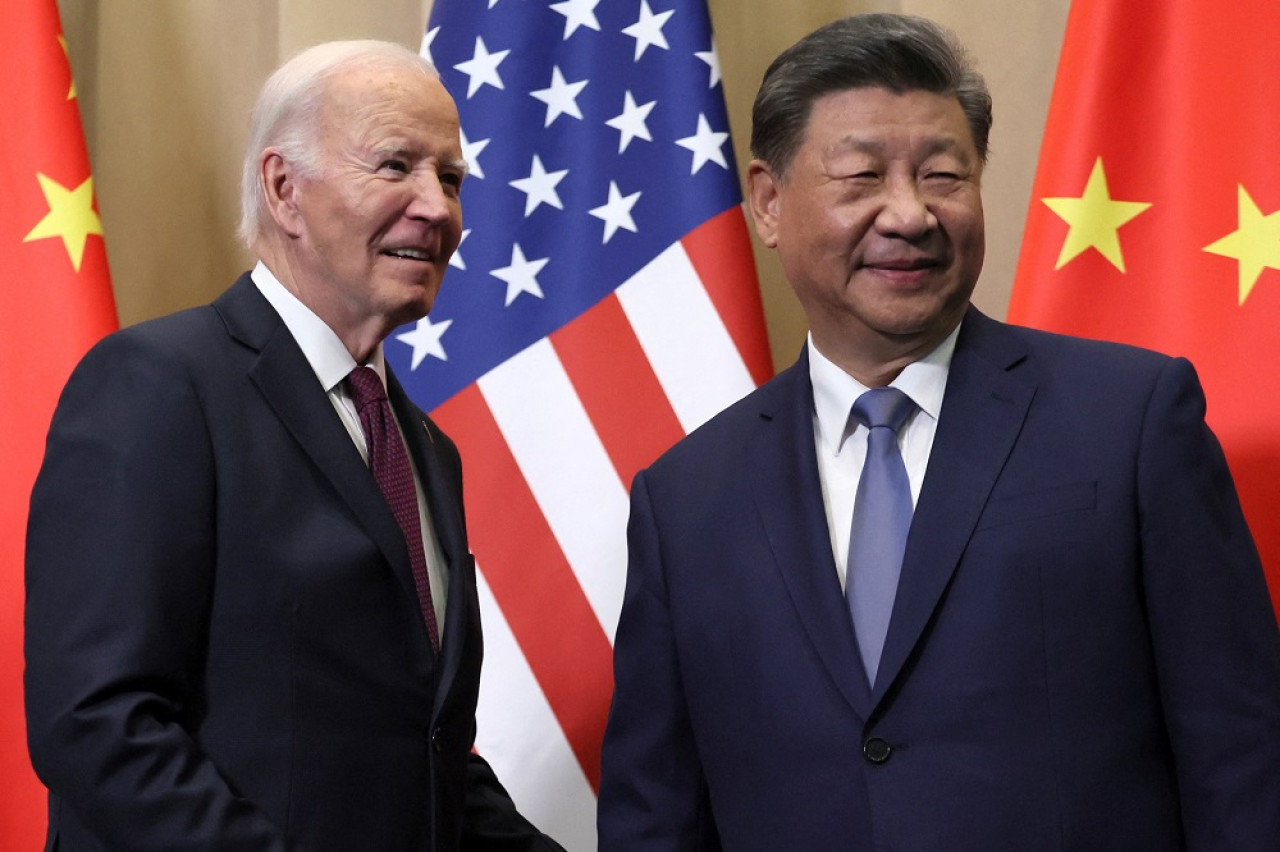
901,53
289,106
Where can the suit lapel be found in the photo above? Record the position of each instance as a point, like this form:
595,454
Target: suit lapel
443,492
287,382
982,413
787,493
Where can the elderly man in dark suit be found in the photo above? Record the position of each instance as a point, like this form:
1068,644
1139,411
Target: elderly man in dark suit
945,584
251,618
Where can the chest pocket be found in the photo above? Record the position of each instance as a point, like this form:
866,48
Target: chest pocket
1041,503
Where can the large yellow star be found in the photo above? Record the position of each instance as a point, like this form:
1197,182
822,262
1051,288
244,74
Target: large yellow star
71,216
1094,220
1255,243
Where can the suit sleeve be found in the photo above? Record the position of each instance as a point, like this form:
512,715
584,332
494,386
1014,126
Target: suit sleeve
119,573
1215,637
491,822
653,793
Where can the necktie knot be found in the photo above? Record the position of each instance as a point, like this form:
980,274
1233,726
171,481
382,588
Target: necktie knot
365,386
883,407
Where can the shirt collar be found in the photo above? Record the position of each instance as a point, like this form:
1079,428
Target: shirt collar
835,391
323,349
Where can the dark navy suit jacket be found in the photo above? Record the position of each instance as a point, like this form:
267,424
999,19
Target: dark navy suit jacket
1082,654
224,647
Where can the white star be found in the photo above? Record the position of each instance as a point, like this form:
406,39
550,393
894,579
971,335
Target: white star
578,13
482,68
560,97
540,187
425,340
425,49
455,260
648,30
616,212
713,62
521,275
471,153
631,123
705,145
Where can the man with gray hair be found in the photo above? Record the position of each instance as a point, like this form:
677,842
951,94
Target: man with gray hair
251,610
945,584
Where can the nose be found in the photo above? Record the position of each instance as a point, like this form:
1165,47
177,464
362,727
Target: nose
904,211
432,201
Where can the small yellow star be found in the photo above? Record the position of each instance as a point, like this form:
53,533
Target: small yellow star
1094,219
71,93
1255,243
71,216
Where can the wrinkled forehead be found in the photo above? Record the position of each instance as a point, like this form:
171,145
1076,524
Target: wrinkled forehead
365,98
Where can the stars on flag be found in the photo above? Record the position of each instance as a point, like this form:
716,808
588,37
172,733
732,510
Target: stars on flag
71,217
540,187
521,275
578,13
482,68
424,49
425,340
574,115
71,91
616,212
560,97
630,123
1255,242
471,153
647,31
1095,219
455,259
706,144
712,58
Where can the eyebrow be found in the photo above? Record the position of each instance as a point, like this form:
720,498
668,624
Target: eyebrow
457,164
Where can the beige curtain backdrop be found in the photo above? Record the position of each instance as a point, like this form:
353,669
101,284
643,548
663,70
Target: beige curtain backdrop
165,89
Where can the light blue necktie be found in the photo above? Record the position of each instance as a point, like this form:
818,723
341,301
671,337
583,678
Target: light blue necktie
881,519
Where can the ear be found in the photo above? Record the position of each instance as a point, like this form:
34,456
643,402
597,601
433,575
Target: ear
279,182
762,194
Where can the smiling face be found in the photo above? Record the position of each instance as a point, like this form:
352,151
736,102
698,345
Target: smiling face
878,223
373,228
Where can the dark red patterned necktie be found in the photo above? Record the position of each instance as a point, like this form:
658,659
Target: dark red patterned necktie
389,462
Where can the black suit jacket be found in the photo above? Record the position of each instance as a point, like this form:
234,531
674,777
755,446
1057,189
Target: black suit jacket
1082,653
224,647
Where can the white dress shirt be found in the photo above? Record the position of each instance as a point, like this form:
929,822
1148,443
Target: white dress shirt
332,363
841,441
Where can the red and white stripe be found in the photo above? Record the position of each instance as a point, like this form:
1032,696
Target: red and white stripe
550,441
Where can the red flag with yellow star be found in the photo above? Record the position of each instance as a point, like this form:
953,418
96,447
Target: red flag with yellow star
1155,214
57,302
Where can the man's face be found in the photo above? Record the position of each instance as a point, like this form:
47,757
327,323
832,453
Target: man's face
877,221
376,226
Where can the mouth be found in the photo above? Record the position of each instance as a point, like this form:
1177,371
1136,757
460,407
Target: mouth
409,253
902,264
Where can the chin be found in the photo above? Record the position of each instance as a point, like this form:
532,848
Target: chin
409,311
421,295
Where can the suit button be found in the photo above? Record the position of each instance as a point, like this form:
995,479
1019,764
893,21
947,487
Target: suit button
435,740
876,750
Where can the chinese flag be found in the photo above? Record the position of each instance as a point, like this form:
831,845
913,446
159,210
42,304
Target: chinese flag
57,302
1155,214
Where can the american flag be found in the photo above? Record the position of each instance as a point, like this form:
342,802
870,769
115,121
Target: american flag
602,304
